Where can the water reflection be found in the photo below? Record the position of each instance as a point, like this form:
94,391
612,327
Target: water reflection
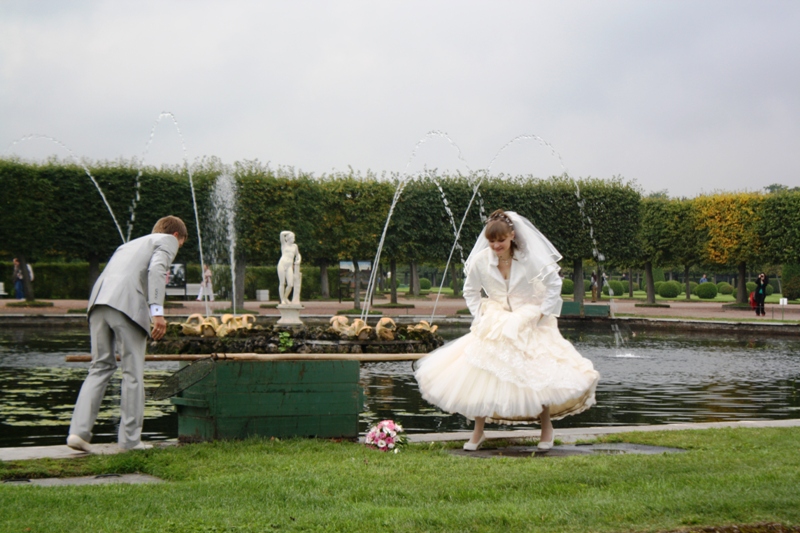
652,379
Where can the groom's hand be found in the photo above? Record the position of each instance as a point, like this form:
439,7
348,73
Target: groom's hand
159,327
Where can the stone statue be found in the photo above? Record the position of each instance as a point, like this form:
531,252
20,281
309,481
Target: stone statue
289,277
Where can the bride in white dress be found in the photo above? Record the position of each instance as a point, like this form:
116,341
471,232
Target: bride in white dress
514,365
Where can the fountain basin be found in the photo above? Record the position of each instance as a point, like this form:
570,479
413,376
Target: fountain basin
241,399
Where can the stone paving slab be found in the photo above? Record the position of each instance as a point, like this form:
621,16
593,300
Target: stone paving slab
571,435
565,435
102,479
24,453
569,450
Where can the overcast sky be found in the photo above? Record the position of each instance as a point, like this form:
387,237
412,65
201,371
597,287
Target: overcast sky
688,96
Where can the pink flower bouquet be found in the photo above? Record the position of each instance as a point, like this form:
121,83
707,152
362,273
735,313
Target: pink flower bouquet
386,436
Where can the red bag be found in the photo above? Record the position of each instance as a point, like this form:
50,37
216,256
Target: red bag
753,300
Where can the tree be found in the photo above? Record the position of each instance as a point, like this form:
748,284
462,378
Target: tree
684,239
653,239
731,222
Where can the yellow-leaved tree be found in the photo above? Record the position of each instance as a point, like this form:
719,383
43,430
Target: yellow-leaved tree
730,222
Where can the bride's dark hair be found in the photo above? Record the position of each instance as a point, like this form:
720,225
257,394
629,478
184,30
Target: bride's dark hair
498,227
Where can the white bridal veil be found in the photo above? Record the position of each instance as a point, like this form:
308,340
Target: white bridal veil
534,252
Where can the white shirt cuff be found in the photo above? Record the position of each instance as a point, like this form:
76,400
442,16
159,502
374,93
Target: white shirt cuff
156,310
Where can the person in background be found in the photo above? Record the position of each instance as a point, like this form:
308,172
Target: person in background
761,293
206,287
704,279
127,296
19,282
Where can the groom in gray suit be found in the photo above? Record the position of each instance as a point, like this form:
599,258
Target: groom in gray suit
128,293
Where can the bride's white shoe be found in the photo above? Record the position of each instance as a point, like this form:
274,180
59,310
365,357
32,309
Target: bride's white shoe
546,446
473,446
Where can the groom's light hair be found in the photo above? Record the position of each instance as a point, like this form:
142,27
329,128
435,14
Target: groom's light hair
171,224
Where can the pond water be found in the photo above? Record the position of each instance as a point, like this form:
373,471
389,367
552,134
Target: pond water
654,378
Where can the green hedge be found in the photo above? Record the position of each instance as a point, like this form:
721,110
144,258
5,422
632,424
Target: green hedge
791,281
60,281
266,277
706,291
616,286
724,287
626,286
70,281
424,284
669,289
567,286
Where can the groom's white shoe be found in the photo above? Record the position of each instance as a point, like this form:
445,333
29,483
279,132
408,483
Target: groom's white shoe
77,443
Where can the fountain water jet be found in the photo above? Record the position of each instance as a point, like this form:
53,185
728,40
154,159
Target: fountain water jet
404,177
223,228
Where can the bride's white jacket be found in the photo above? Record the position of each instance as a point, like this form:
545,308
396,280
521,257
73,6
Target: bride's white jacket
483,273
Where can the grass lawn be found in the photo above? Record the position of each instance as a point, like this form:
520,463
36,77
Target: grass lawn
642,295
728,476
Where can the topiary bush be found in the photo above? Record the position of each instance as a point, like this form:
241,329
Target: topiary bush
616,287
587,285
706,291
790,281
724,288
658,285
692,286
791,288
424,284
626,285
669,289
751,286
567,286
770,290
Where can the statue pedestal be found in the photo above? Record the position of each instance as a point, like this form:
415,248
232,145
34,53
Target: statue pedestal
290,314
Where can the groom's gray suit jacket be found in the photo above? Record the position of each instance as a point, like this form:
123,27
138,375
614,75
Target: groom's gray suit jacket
136,276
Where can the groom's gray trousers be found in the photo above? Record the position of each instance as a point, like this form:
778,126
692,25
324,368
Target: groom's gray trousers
109,329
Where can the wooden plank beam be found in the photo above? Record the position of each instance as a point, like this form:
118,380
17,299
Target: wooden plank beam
362,357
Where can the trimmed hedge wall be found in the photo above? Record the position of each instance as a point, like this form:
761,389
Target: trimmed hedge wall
53,281
70,281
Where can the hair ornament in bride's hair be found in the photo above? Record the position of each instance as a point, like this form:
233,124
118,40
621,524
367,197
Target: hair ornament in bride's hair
500,215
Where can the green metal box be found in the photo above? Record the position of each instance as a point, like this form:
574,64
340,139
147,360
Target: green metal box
239,399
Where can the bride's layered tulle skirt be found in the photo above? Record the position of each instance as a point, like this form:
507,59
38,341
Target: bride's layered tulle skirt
507,368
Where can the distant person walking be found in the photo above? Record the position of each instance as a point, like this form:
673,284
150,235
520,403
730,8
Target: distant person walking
19,281
761,293
594,286
206,287
704,279
127,296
